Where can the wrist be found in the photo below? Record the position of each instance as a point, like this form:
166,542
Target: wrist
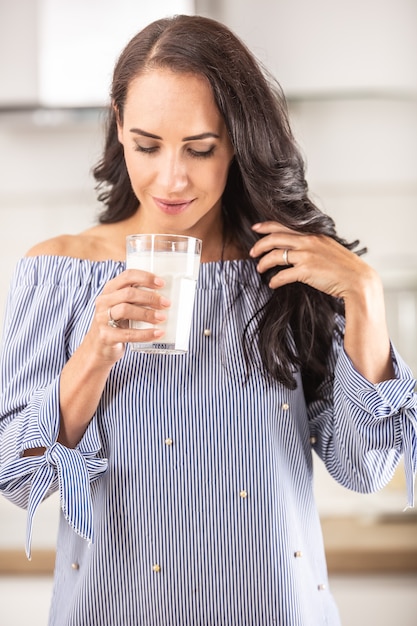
365,297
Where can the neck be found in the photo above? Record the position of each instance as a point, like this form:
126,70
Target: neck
216,246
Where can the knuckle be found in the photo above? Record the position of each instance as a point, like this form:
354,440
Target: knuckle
139,277
136,335
149,316
131,293
156,299
131,274
100,301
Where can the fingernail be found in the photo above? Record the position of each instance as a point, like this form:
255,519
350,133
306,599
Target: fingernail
159,282
164,301
160,316
158,333
256,226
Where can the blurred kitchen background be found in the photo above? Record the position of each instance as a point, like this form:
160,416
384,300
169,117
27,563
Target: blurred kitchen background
349,70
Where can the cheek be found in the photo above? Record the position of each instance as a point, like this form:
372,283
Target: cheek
138,173
215,179
221,175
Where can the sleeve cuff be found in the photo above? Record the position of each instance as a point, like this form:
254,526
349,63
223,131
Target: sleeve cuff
380,400
74,469
395,399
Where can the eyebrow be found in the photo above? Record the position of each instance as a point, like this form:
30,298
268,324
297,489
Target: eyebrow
144,133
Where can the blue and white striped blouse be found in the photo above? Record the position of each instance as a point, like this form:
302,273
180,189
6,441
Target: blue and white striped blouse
189,500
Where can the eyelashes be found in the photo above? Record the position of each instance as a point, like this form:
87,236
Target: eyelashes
201,154
196,154
144,150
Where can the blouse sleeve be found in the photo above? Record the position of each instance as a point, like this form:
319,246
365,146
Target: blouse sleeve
360,429
48,298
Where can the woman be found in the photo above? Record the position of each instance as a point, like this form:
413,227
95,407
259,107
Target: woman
186,481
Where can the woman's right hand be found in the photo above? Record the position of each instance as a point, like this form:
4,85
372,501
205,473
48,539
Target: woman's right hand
132,295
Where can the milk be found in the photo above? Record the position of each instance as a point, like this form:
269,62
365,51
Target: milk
179,270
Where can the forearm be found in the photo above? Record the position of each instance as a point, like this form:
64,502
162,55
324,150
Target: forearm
82,382
366,339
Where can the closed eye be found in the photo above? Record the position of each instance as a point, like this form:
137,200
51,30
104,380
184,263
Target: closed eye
145,149
201,154
196,154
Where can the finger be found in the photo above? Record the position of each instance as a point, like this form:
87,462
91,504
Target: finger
278,245
134,277
281,241
123,335
284,277
146,335
115,337
120,301
271,227
290,240
123,312
140,296
277,257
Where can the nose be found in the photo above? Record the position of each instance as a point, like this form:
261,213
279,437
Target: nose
173,176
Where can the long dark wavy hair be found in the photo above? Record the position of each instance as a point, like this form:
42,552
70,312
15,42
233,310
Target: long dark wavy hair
266,180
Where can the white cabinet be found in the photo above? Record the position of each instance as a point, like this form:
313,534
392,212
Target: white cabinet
331,46
18,63
62,52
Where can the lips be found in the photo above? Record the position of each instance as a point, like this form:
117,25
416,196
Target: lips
172,207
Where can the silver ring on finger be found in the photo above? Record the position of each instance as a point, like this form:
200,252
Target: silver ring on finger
285,257
110,321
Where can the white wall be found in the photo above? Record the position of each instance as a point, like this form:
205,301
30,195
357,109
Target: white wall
331,46
361,158
46,187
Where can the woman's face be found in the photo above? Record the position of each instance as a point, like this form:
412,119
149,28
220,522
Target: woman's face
177,152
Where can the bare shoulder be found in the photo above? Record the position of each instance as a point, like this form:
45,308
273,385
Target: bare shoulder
94,244
63,245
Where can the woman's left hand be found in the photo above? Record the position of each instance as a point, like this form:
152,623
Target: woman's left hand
326,265
316,260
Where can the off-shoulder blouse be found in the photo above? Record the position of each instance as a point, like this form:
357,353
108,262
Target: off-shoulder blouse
189,499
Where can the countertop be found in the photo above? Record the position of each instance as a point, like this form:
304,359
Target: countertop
385,544
354,545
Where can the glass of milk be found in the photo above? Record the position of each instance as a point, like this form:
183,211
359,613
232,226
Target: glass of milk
176,259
